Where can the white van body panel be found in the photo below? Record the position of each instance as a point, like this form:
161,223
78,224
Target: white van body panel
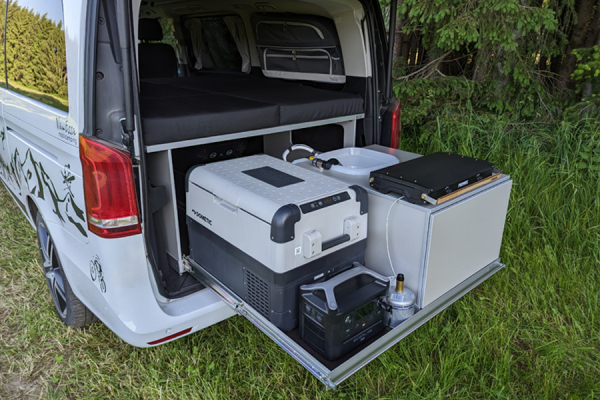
41,136
111,277
43,173
115,278
40,165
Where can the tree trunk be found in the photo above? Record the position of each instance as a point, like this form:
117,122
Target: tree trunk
421,52
414,47
564,17
405,47
398,44
543,63
593,37
578,39
398,34
458,65
587,92
482,60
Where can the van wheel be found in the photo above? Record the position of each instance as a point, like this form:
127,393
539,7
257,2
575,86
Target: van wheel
70,309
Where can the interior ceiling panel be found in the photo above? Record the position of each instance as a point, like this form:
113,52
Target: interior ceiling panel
318,7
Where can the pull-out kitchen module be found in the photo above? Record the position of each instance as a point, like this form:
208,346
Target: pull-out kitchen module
253,225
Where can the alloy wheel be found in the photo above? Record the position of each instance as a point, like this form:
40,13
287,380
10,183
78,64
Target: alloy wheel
52,270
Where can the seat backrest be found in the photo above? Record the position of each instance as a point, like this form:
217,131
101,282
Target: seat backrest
157,60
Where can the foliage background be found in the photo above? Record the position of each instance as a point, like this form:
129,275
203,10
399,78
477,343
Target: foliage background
525,59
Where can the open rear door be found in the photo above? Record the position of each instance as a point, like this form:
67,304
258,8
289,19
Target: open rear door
334,373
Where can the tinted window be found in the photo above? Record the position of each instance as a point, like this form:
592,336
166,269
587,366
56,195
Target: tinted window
211,44
168,32
36,57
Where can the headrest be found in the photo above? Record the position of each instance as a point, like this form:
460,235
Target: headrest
150,29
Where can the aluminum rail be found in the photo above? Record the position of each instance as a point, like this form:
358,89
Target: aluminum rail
332,378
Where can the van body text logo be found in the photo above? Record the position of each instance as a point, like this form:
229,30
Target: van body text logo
202,217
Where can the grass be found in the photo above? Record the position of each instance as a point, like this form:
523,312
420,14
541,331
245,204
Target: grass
530,332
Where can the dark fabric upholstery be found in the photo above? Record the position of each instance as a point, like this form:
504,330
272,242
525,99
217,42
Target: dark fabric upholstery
150,90
202,116
157,60
225,74
177,109
233,86
314,39
150,29
303,103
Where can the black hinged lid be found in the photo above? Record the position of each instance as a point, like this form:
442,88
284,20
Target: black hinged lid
435,174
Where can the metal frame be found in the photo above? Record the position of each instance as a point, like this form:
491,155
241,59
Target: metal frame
348,122
333,378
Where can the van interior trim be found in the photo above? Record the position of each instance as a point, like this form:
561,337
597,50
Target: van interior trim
258,132
89,67
304,76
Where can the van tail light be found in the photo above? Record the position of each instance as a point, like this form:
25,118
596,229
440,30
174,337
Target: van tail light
396,126
108,185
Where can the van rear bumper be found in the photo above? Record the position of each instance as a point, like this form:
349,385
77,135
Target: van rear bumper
121,291
146,322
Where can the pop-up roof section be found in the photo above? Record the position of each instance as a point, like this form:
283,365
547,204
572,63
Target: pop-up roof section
347,15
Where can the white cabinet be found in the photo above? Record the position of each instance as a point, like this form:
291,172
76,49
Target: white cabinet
435,247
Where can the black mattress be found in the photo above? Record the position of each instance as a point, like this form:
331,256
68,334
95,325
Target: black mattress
212,104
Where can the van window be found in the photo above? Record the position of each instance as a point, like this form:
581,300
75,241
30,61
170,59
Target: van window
168,33
211,43
36,58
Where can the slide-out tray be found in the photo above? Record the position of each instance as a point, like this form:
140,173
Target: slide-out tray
333,377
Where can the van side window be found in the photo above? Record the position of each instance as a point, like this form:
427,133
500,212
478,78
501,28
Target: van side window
168,33
36,58
212,44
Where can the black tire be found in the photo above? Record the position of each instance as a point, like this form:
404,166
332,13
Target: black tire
69,308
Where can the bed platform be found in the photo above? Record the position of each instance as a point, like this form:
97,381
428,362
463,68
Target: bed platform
178,112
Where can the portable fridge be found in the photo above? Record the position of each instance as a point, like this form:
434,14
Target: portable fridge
263,227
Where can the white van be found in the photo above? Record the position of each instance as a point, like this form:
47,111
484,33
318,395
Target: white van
109,106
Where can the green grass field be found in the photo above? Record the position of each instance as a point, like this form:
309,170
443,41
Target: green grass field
530,332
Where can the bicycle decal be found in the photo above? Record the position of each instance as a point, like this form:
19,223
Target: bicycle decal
96,273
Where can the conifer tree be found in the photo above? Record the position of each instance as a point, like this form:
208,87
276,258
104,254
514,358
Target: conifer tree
35,51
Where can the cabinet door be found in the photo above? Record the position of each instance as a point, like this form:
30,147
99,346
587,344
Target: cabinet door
462,238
